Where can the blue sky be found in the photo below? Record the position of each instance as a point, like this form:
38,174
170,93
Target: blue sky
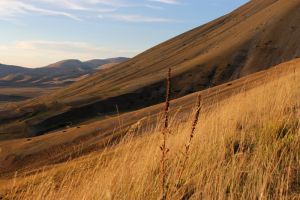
35,33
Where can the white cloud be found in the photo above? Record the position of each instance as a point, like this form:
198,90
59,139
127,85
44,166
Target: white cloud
11,8
52,45
166,1
137,18
68,4
113,3
37,53
14,10
64,46
153,7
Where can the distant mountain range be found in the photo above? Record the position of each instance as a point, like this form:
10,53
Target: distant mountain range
56,74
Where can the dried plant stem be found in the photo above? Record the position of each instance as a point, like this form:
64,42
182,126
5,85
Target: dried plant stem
191,136
195,122
165,131
167,106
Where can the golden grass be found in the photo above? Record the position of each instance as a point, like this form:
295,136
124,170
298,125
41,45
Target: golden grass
189,142
245,147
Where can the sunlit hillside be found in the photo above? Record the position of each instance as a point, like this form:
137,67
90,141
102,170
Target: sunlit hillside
245,147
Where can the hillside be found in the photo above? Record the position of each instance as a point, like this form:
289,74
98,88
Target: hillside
17,94
57,74
252,38
246,146
58,146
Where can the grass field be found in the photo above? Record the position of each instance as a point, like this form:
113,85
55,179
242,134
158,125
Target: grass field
245,147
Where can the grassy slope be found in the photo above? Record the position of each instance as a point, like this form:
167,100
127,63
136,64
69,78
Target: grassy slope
245,147
247,40
31,153
13,94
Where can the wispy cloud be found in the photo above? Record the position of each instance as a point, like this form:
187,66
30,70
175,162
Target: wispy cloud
82,9
12,8
166,1
67,4
65,46
153,7
52,51
137,18
113,3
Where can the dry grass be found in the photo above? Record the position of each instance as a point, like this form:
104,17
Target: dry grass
246,147
188,144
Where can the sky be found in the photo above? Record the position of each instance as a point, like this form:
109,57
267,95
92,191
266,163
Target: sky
35,33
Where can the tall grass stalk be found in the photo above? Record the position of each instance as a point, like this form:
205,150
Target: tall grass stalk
191,136
164,149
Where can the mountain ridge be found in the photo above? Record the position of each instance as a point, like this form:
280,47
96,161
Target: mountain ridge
56,74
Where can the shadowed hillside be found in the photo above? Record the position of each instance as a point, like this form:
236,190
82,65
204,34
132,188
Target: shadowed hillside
254,37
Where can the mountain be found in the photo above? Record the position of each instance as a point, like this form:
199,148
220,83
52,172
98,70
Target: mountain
57,74
255,37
